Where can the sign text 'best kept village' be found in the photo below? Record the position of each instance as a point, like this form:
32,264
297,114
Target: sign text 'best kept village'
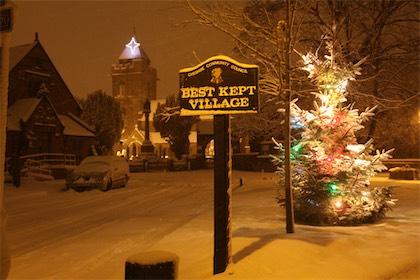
219,85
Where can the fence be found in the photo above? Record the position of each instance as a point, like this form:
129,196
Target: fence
39,165
400,162
52,159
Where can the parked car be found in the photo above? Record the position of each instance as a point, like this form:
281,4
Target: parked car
103,172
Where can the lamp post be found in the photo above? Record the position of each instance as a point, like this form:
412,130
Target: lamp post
6,26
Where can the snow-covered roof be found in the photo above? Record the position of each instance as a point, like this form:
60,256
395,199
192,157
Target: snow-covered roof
82,122
133,50
73,126
21,110
135,135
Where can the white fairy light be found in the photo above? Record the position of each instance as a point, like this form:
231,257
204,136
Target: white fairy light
355,148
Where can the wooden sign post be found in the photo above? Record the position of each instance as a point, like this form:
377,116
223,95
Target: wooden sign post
220,86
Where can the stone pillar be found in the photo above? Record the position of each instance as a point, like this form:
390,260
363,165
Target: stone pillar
147,146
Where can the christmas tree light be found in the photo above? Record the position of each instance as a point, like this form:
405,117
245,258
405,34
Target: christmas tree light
330,170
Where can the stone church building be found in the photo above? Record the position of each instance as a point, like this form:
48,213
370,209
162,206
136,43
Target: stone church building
134,81
42,114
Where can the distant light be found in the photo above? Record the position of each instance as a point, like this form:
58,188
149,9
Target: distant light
133,45
338,204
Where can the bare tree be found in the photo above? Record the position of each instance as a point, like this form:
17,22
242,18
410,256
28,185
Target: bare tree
384,32
259,30
259,127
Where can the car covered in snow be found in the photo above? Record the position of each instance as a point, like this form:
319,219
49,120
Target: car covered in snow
102,172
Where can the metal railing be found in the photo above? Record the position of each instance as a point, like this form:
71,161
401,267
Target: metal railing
36,168
39,165
401,162
52,159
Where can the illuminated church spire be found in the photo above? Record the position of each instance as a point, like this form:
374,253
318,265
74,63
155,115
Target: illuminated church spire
133,50
133,45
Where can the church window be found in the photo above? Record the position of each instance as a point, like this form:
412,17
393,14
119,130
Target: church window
209,152
37,82
121,89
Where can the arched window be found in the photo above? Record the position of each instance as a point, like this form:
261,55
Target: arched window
121,89
209,152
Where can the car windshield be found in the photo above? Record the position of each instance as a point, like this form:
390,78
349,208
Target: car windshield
92,167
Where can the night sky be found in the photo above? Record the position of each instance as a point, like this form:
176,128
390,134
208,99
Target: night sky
84,39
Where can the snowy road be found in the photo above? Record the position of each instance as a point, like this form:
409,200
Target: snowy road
45,218
82,213
58,234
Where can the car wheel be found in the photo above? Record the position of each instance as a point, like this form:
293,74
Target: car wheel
107,186
125,181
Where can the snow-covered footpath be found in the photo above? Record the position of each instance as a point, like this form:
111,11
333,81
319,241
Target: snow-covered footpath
58,234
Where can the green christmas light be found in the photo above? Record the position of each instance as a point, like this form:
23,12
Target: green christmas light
297,148
332,187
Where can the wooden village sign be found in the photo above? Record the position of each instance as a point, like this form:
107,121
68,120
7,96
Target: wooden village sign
220,86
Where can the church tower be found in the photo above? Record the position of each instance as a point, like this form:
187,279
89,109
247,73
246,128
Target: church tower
133,82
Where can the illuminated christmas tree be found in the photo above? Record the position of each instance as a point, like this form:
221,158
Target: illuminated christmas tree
330,170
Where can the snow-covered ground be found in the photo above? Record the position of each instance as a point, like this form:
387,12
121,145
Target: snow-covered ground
58,234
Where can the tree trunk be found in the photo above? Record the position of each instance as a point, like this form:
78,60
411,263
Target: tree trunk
373,122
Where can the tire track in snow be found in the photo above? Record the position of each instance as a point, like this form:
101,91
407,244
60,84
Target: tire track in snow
107,255
67,227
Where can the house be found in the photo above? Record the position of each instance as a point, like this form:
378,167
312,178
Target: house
43,116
